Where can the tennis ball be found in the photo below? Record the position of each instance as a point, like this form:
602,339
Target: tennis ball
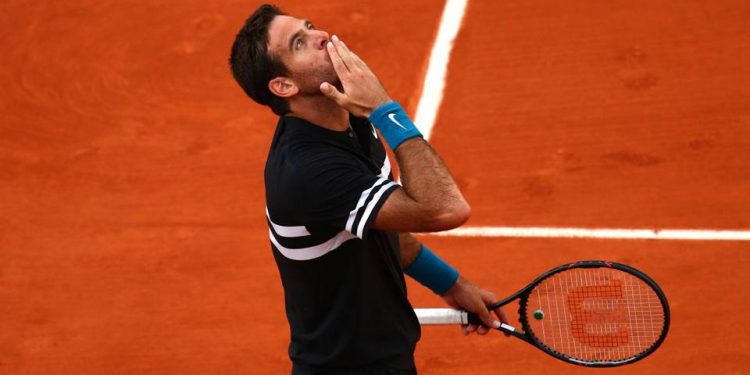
539,315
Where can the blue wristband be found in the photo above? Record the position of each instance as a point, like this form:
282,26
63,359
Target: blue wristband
394,124
432,272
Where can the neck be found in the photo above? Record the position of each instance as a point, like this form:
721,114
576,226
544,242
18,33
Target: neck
321,111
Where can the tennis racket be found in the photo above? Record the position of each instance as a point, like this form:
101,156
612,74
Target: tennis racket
589,313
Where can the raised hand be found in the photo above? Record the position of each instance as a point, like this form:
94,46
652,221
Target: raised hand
363,92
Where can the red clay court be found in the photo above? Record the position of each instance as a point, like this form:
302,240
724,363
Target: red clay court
132,233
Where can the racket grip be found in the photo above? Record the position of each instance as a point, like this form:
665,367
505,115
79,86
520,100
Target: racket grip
441,316
506,328
446,316
472,318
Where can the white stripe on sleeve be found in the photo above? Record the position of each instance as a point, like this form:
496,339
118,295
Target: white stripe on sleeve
370,207
285,231
312,252
362,199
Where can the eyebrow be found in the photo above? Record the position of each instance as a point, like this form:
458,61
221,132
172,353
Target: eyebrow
296,35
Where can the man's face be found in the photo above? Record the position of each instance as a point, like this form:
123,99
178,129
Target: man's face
302,49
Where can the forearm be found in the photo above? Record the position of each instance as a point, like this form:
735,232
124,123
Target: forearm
424,266
409,248
426,179
445,281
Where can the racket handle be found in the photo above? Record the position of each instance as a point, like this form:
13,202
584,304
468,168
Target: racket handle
453,316
442,316
473,318
446,316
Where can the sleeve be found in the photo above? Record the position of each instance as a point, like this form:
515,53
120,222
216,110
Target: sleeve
334,190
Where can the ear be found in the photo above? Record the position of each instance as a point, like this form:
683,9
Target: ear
283,87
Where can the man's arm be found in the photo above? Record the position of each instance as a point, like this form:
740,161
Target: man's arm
409,249
462,295
430,199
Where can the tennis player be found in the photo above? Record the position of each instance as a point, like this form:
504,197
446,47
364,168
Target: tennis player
339,225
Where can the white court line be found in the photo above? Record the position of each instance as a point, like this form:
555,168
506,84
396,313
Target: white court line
434,81
622,234
427,111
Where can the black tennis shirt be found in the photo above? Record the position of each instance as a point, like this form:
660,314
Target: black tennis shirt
344,287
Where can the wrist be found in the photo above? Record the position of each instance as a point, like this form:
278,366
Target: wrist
368,112
455,287
394,124
431,271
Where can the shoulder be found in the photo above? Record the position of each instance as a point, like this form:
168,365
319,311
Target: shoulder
309,156
295,149
307,165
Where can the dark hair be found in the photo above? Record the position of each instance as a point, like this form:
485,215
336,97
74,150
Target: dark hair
252,66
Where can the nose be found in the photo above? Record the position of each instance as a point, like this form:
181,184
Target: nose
322,38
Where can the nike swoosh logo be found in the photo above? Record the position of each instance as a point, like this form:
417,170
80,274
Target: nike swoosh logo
392,116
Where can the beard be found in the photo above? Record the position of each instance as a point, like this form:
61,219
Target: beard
309,81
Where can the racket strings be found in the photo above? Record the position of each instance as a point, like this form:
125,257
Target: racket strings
595,314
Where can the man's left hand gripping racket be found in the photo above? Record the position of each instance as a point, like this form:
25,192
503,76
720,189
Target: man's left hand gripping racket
590,313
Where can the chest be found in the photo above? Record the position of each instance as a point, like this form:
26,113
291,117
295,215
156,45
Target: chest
365,145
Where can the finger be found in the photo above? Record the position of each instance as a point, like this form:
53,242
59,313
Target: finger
500,314
486,317
482,330
464,329
343,52
471,328
338,64
357,60
488,297
332,92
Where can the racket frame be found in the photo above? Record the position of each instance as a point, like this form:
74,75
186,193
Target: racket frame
527,335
